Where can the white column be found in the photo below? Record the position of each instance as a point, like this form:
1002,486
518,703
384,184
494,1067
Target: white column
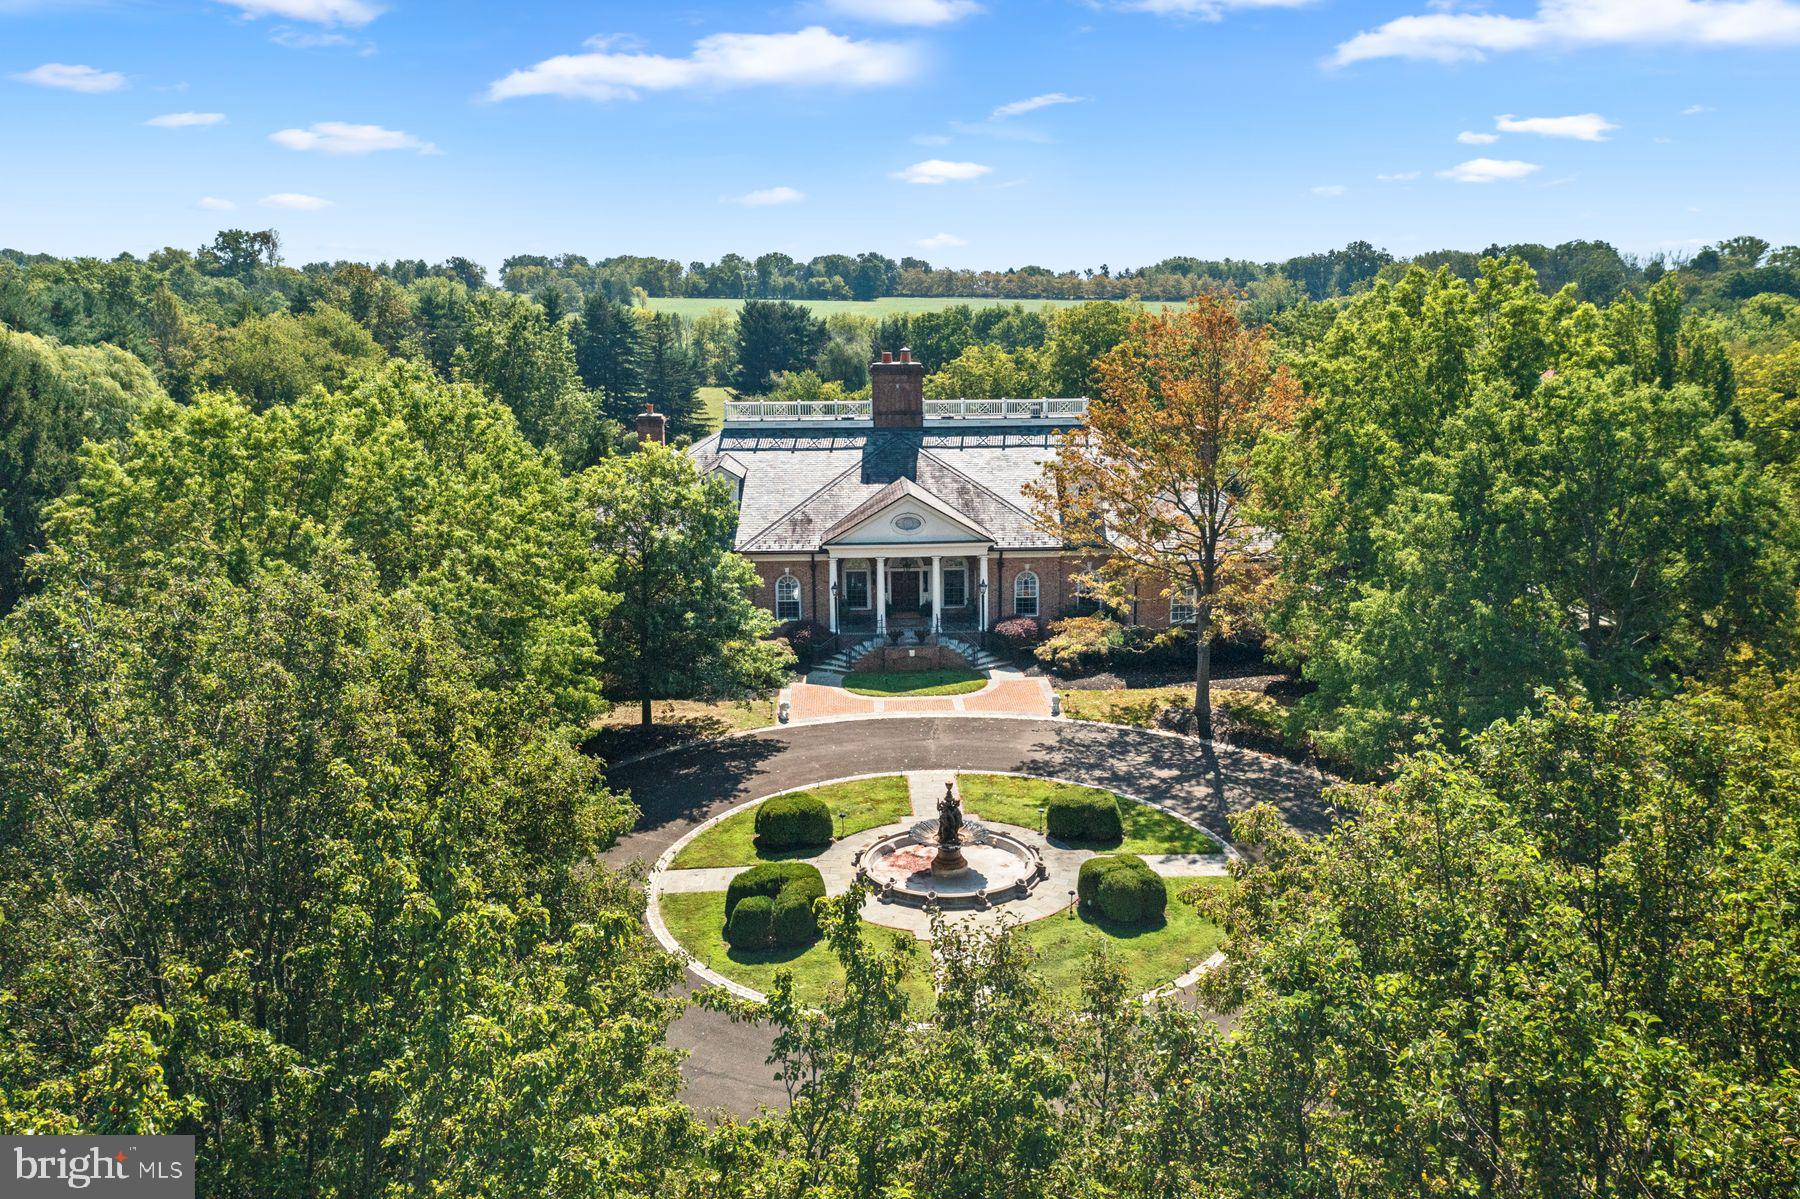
833,575
881,595
984,590
937,593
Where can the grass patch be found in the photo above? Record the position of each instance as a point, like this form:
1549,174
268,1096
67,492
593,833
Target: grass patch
1006,800
698,921
867,803
951,681
1150,956
1135,706
712,404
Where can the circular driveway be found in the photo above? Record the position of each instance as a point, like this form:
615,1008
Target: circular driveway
727,1063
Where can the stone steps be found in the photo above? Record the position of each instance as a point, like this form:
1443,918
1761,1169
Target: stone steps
842,661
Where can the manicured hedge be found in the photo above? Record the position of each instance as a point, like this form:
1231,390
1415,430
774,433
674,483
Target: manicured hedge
1083,816
798,821
1123,888
1016,634
779,897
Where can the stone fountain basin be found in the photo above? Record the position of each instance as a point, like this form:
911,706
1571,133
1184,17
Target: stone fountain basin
1000,868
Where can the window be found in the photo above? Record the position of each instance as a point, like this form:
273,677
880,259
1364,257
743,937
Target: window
1025,594
787,598
907,522
1183,607
1086,603
856,590
956,586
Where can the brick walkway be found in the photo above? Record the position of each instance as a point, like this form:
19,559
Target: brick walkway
823,697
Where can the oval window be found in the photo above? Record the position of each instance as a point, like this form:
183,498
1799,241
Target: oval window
908,523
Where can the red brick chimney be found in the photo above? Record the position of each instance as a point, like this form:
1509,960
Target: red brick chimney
652,425
897,391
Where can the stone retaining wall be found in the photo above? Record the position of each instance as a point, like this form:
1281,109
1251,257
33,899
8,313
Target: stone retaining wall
911,657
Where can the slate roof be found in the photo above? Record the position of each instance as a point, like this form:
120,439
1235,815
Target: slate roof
800,483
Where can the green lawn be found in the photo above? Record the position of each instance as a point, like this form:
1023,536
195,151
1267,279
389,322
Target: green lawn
1151,956
1135,706
867,803
693,306
712,400
1061,945
1006,800
951,681
698,921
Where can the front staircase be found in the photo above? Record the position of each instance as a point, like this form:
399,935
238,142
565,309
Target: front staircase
845,659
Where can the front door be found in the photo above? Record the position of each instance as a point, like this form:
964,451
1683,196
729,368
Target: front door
903,593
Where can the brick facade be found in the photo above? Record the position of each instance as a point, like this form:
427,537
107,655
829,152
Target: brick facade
1056,588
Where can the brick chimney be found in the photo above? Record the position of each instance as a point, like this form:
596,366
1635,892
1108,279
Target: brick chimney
652,425
897,391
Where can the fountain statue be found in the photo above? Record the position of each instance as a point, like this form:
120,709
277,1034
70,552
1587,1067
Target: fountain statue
949,858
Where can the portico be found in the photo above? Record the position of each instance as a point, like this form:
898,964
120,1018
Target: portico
929,587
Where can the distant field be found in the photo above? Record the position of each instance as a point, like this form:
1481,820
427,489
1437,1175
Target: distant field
689,306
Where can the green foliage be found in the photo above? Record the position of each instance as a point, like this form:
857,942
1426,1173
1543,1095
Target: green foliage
514,354
781,898
795,821
1080,644
1083,815
750,923
672,375
53,399
609,355
684,624
772,338
1122,888
1479,503
270,360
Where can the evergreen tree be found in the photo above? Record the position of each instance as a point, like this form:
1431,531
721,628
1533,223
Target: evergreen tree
672,375
775,337
609,355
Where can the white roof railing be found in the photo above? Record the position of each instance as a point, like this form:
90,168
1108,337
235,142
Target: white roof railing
827,410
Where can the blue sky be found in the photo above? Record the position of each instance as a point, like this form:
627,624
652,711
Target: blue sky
970,132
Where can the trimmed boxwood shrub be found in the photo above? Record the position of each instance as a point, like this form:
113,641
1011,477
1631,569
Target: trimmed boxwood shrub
751,923
780,896
798,821
1123,888
1083,816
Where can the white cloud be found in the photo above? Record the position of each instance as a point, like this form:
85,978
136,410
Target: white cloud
936,170
1694,110
1583,127
1489,170
73,77
1206,10
295,202
1575,24
1021,107
1469,137
214,204
339,137
768,196
1398,177
906,12
185,120
814,56
942,241
1330,189
320,12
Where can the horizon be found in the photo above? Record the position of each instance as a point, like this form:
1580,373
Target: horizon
969,135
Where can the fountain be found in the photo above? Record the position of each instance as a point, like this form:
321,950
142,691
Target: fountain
952,861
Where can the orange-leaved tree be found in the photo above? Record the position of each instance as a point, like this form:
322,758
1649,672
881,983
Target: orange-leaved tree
1158,478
